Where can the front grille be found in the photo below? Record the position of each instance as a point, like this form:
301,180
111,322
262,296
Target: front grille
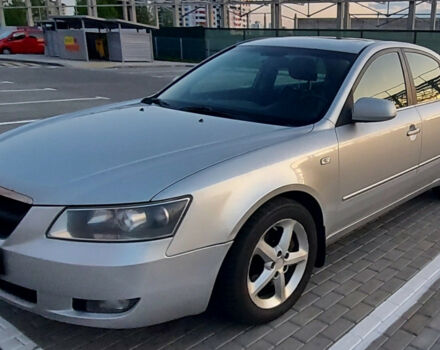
27,294
11,213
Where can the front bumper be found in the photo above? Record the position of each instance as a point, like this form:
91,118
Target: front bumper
58,271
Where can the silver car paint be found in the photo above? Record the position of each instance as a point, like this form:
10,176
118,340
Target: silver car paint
354,172
137,155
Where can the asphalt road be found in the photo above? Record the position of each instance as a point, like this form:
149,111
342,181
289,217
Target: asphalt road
31,91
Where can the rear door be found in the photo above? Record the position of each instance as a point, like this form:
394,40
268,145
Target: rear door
424,70
378,160
34,43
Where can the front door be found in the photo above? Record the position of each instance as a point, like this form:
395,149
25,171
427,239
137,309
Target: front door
378,160
17,42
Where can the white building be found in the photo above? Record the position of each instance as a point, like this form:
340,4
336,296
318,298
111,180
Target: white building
196,16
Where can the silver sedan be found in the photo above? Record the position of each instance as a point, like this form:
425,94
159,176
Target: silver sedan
224,187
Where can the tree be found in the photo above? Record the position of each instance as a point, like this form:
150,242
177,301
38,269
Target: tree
165,17
104,12
17,16
145,15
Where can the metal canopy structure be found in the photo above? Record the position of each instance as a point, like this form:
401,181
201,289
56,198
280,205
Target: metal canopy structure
97,22
87,37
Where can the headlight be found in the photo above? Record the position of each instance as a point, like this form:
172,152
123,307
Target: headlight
123,223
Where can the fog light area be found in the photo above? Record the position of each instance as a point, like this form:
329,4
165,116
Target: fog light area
104,306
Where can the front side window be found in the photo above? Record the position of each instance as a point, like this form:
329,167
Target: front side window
426,75
383,79
273,85
18,36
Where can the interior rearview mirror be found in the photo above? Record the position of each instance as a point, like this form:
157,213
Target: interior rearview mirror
369,109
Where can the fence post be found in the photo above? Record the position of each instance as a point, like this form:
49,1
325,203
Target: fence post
156,49
411,15
133,16
29,17
347,21
124,10
2,15
176,15
208,48
181,49
340,15
433,14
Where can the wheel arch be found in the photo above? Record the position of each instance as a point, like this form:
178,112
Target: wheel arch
310,202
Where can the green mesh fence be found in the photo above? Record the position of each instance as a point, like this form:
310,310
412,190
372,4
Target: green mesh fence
217,40
430,40
196,44
407,37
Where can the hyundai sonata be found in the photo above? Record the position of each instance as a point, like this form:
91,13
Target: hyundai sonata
227,184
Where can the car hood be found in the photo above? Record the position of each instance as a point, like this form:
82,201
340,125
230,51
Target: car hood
122,153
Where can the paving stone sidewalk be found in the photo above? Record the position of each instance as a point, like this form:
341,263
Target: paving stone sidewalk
362,270
418,328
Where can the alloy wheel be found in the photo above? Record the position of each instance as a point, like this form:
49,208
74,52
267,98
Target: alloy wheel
278,263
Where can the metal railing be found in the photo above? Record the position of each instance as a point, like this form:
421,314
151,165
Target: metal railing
196,44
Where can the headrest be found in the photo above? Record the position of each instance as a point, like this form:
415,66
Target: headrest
303,68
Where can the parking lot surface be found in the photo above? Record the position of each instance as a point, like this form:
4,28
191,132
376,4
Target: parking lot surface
362,270
30,91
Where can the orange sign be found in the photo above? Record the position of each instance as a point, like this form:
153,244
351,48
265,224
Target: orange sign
71,44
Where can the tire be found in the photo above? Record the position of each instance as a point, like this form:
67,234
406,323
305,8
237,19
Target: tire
238,287
436,190
6,51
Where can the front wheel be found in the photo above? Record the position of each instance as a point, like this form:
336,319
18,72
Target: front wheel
6,51
270,262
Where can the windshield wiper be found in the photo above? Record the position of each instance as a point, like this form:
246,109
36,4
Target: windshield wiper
207,111
156,101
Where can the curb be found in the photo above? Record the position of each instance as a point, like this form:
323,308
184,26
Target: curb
23,60
68,65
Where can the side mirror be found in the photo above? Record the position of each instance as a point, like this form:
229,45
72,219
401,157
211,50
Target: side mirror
369,109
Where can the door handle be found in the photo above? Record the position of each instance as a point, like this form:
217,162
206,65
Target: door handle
413,130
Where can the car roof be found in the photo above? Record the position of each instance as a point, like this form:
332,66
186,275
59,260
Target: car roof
323,43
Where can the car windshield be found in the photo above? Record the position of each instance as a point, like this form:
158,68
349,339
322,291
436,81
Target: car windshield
5,34
272,85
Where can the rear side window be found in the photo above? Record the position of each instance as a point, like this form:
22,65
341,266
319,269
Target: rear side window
426,75
36,36
384,79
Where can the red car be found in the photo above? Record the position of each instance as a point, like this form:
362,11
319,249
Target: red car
22,41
